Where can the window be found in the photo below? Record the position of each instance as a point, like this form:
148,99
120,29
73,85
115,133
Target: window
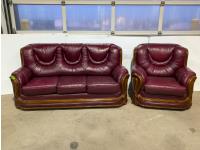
137,17
123,17
88,17
38,17
181,18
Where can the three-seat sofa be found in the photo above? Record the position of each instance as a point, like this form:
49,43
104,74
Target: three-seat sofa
70,76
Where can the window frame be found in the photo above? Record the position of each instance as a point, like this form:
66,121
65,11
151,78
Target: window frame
113,3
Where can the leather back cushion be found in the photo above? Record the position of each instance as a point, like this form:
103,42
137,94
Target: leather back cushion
102,58
161,59
41,58
71,59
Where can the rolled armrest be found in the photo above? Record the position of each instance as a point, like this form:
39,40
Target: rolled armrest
184,75
138,71
119,73
23,75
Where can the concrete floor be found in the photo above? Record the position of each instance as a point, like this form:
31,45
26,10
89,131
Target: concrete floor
126,128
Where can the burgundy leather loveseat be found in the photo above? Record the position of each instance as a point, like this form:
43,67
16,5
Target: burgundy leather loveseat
160,77
70,76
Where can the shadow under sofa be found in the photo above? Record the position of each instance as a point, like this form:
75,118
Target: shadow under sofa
70,76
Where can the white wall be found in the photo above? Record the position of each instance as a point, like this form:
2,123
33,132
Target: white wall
11,44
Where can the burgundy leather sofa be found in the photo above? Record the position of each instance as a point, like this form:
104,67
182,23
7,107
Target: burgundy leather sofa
70,76
160,77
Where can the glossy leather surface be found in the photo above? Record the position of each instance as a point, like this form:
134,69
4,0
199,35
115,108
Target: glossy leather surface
161,60
71,59
119,72
102,85
71,63
71,84
160,76
183,75
71,75
40,86
23,74
164,86
162,96
68,96
102,59
136,69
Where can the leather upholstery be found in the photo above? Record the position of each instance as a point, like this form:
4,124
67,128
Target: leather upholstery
68,96
160,76
102,85
23,75
119,72
70,71
162,60
40,86
102,59
136,69
183,75
71,84
164,86
41,59
71,59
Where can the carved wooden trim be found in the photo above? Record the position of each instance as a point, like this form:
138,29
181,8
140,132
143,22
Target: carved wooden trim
16,86
75,103
190,85
67,105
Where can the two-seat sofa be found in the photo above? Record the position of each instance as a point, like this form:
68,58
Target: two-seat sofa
70,76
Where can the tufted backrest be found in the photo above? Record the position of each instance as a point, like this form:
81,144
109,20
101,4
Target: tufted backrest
71,59
161,59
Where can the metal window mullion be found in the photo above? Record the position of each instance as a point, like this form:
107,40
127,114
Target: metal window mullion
161,13
182,2
6,9
3,20
181,33
128,2
138,2
136,33
36,31
12,14
89,32
88,2
36,2
64,18
113,17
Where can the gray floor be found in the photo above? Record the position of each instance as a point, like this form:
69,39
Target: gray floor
126,128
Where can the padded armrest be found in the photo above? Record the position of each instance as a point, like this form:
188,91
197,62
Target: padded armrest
119,73
184,74
135,69
23,75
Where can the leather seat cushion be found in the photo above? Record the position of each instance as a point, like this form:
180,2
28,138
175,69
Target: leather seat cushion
71,84
102,85
164,86
40,86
